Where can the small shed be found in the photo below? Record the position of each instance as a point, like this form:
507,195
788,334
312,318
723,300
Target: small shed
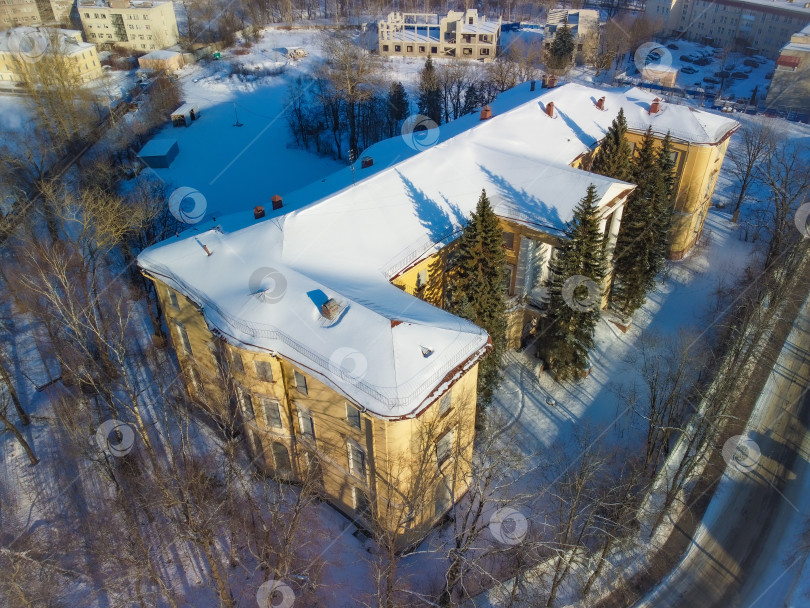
185,114
660,74
159,153
168,61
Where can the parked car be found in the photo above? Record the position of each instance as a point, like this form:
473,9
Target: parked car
722,74
688,70
672,46
711,80
686,58
703,61
739,75
751,63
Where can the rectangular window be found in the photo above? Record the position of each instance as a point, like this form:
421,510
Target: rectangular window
246,403
272,412
397,48
182,335
507,280
264,371
357,461
444,447
434,49
421,49
444,404
353,416
194,379
385,48
236,363
410,48
509,240
362,505
307,424
300,382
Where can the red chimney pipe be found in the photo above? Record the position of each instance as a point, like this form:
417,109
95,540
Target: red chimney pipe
550,109
277,203
601,103
655,106
258,212
486,112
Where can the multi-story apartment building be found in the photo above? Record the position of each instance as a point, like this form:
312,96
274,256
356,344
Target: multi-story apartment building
137,26
34,12
21,48
790,86
756,26
318,314
461,35
584,25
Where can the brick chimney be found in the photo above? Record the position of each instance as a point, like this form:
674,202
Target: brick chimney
366,162
601,103
550,109
330,309
486,112
655,106
258,212
277,203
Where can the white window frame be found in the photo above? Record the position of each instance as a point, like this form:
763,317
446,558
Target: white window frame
182,338
266,402
357,460
307,431
246,403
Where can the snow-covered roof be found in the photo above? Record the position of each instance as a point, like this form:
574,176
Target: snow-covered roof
157,147
410,35
186,108
336,239
160,55
38,40
481,27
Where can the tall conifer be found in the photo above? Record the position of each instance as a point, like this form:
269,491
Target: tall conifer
430,93
574,293
476,287
614,155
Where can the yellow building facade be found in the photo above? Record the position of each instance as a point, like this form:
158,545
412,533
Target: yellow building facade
402,474
27,49
355,269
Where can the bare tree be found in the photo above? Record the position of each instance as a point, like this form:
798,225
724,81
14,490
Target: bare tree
758,138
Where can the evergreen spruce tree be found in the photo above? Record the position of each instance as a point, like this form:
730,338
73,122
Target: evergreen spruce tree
573,307
397,106
472,100
476,289
663,205
430,92
561,53
614,155
638,248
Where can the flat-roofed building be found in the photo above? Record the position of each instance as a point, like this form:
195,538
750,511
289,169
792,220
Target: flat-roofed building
462,35
790,86
756,26
138,26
